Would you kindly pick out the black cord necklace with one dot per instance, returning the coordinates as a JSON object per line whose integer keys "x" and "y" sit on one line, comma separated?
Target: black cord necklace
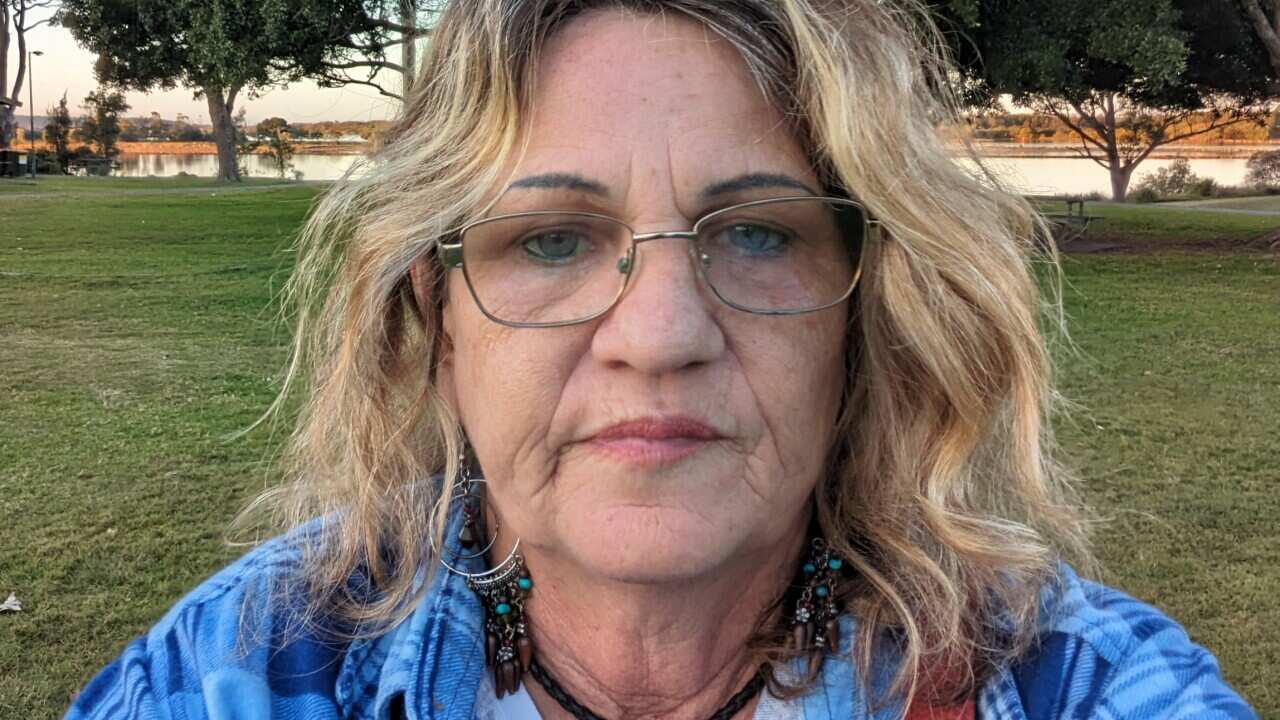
{"x": 581, "y": 712}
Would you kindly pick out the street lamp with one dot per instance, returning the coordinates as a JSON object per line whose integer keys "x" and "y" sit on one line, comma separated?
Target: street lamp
{"x": 31, "y": 95}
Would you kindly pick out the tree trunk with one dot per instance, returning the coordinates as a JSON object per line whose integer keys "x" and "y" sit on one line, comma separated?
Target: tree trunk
{"x": 409, "y": 50}
{"x": 1120, "y": 177}
{"x": 8, "y": 126}
{"x": 224, "y": 131}
{"x": 1267, "y": 29}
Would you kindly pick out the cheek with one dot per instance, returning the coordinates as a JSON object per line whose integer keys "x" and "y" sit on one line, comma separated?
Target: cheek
{"x": 507, "y": 385}
{"x": 796, "y": 369}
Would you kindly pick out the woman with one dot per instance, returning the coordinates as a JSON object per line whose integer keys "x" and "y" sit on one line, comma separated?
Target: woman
{"x": 730, "y": 390}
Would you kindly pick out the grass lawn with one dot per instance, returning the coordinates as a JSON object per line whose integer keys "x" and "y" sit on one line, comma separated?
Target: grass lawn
{"x": 1173, "y": 223}
{"x": 136, "y": 331}
{"x": 1263, "y": 203}
{"x": 114, "y": 185}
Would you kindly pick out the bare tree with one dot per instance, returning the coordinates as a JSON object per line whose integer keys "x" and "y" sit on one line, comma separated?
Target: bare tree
{"x": 15, "y": 22}
{"x": 389, "y": 24}
{"x": 1118, "y": 136}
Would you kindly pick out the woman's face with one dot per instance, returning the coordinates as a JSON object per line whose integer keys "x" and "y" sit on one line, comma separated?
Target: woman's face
{"x": 674, "y": 435}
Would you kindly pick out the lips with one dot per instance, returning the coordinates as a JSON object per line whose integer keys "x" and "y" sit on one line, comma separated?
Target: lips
{"x": 654, "y": 440}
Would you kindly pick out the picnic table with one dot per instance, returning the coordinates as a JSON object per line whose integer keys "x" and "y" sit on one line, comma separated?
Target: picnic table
{"x": 1071, "y": 225}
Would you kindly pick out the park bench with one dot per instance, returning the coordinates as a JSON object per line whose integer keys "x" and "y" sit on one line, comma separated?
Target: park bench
{"x": 1071, "y": 225}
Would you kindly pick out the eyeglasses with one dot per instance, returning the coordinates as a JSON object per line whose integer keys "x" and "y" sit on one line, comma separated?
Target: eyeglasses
{"x": 782, "y": 256}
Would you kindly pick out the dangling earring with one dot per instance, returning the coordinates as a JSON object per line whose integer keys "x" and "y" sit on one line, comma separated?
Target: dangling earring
{"x": 815, "y": 625}
{"x": 502, "y": 589}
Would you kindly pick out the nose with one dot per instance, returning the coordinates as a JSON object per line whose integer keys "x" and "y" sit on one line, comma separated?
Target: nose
{"x": 664, "y": 322}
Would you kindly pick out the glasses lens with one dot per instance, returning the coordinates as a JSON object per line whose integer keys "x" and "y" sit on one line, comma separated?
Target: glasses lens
{"x": 782, "y": 256}
{"x": 546, "y": 268}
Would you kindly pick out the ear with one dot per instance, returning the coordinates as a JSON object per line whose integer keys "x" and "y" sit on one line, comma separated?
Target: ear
{"x": 422, "y": 276}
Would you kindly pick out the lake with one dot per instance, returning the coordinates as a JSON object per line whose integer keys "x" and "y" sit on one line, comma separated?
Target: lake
{"x": 1035, "y": 176}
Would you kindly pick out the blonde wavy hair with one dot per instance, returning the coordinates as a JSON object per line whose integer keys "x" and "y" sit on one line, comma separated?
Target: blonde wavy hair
{"x": 943, "y": 490}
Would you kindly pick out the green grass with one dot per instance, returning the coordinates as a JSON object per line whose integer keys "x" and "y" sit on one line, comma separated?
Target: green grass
{"x": 1166, "y": 222}
{"x": 1148, "y": 222}
{"x": 136, "y": 331}
{"x": 94, "y": 185}
{"x": 1267, "y": 203}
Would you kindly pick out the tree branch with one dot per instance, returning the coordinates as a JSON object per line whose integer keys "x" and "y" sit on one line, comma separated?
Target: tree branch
{"x": 1079, "y": 131}
{"x": 374, "y": 64}
{"x": 345, "y": 80}
{"x": 1265, "y": 31}
{"x": 1083, "y": 136}
{"x": 397, "y": 27}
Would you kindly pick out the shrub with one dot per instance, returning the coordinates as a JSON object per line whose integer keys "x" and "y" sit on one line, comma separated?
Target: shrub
{"x": 1203, "y": 187}
{"x": 1144, "y": 194}
{"x": 1264, "y": 169}
{"x": 1175, "y": 180}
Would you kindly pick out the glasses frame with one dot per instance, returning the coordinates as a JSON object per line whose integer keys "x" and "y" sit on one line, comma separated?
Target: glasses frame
{"x": 451, "y": 255}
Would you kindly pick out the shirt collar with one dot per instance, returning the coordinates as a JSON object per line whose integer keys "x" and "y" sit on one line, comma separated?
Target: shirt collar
{"x": 431, "y": 661}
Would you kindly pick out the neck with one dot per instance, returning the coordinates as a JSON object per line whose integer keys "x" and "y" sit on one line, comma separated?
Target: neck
{"x": 671, "y": 650}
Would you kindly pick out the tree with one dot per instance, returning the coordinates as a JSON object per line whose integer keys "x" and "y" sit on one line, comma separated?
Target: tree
{"x": 155, "y": 126}
{"x": 1264, "y": 20}
{"x": 397, "y": 23}
{"x": 274, "y": 134}
{"x": 222, "y": 49}
{"x": 57, "y": 133}
{"x": 1125, "y": 77}
{"x": 16, "y": 20}
{"x": 101, "y": 125}
{"x": 1264, "y": 169}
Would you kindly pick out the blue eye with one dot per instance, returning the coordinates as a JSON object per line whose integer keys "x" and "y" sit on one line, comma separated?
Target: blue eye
{"x": 555, "y": 246}
{"x": 756, "y": 239}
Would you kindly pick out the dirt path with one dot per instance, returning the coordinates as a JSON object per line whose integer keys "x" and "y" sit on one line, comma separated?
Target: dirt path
{"x": 1263, "y": 244}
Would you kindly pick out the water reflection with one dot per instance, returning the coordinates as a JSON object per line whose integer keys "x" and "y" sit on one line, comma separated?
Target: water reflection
{"x": 312, "y": 167}
{"x": 1039, "y": 176}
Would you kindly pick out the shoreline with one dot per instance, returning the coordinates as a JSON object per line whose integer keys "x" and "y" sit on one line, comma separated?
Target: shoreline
{"x": 985, "y": 150}
{"x": 208, "y": 148}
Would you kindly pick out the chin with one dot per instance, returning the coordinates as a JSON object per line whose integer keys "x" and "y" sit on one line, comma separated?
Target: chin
{"x": 649, "y": 544}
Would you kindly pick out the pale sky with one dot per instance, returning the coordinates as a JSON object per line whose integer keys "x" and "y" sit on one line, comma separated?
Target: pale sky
{"x": 65, "y": 66}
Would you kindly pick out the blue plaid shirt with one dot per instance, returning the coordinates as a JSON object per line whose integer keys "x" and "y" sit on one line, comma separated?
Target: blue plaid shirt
{"x": 1103, "y": 655}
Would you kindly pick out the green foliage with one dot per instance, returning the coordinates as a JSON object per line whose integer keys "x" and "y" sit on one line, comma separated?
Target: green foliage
{"x": 1159, "y": 54}
{"x": 276, "y": 135}
{"x": 1125, "y": 76}
{"x": 220, "y": 47}
{"x": 244, "y": 146}
{"x": 101, "y": 125}
{"x": 207, "y": 44}
{"x": 1145, "y": 194}
{"x": 57, "y": 133}
{"x": 1176, "y": 179}
{"x": 1264, "y": 169}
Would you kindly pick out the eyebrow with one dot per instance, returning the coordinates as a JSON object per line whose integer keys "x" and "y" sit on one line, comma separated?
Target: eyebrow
{"x": 747, "y": 181}
{"x": 561, "y": 181}
{"x": 754, "y": 181}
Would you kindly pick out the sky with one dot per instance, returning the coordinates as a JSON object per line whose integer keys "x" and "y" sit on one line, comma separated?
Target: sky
{"x": 66, "y": 67}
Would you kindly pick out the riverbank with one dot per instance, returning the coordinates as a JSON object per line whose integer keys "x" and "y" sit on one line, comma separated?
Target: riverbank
{"x": 1164, "y": 152}
{"x": 208, "y": 148}
{"x": 984, "y": 149}
{"x": 991, "y": 150}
